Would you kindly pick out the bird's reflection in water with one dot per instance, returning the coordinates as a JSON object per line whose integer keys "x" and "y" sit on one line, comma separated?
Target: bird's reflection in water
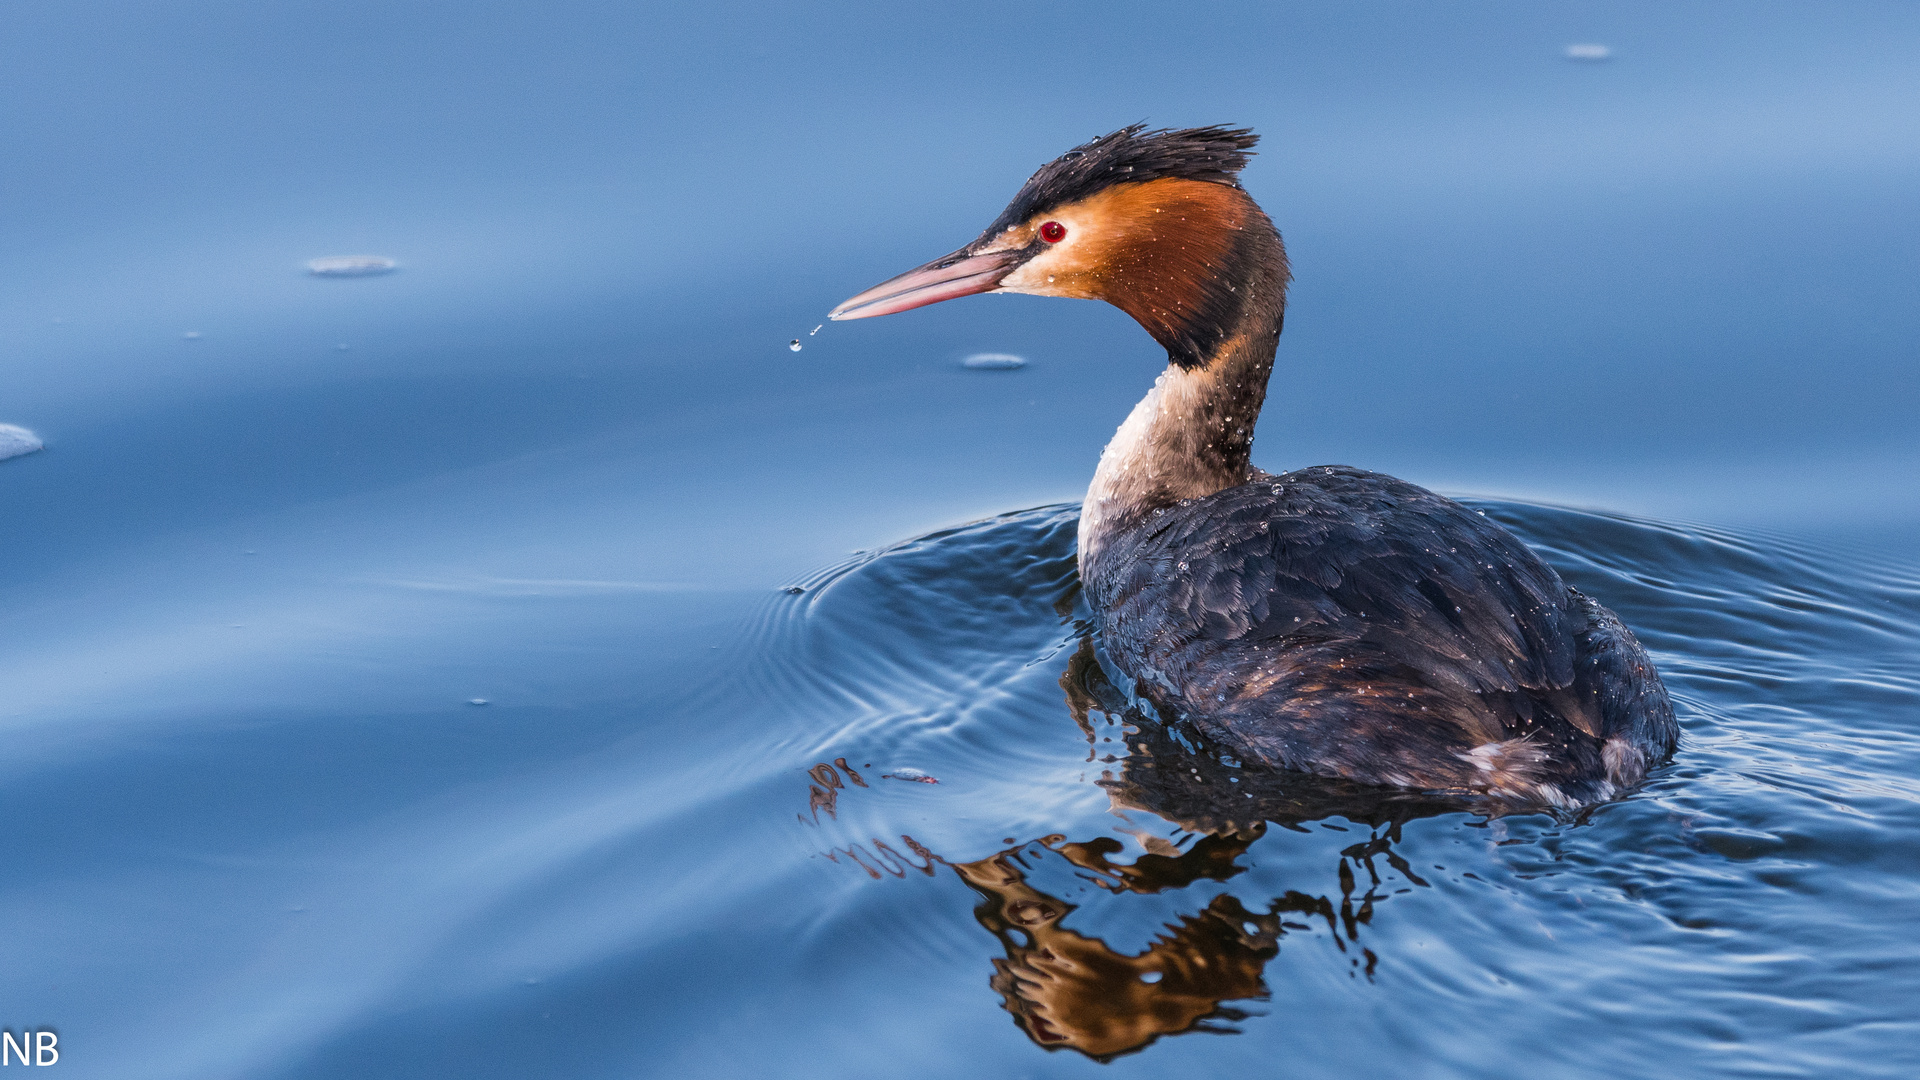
{"x": 1067, "y": 988}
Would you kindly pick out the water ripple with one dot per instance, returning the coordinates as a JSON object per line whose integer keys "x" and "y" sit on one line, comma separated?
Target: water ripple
{"x": 1738, "y": 910}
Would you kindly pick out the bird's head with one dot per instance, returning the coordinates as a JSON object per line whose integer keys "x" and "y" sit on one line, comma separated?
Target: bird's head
{"x": 1153, "y": 222}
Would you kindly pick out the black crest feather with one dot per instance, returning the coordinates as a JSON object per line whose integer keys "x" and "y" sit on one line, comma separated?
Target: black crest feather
{"x": 1133, "y": 155}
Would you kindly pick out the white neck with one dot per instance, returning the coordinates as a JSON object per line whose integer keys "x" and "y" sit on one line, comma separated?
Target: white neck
{"x": 1158, "y": 456}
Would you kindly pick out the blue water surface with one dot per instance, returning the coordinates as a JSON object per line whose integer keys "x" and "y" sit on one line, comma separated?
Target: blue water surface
{"x": 400, "y": 676}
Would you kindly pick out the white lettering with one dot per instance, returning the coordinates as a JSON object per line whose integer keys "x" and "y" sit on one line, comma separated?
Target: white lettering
{"x": 7, "y": 1045}
{"x": 48, "y": 1054}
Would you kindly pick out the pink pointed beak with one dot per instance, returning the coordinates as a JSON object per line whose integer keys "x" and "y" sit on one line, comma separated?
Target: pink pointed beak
{"x": 958, "y": 274}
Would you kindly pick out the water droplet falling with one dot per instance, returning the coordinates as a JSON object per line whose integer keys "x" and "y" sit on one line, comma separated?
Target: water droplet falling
{"x": 794, "y": 344}
{"x": 815, "y": 330}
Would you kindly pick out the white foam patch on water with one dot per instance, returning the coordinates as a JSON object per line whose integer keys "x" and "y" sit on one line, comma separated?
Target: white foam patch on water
{"x": 993, "y": 361}
{"x": 15, "y": 441}
{"x": 350, "y": 265}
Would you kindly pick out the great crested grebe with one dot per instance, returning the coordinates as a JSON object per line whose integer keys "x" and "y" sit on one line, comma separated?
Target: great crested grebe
{"x": 1328, "y": 620}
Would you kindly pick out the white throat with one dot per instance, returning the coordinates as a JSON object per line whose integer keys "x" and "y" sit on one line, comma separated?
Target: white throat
{"x": 1151, "y": 460}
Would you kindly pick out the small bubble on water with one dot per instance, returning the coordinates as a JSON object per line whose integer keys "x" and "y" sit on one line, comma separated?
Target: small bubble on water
{"x": 15, "y": 441}
{"x": 914, "y": 775}
{"x": 993, "y": 361}
{"x": 350, "y": 265}
{"x": 1589, "y": 53}
{"x": 191, "y": 335}
{"x": 794, "y": 344}
{"x": 477, "y": 701}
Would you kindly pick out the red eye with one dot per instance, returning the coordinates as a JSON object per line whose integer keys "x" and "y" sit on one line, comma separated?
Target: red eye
{"x": 1053, "y": 232}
